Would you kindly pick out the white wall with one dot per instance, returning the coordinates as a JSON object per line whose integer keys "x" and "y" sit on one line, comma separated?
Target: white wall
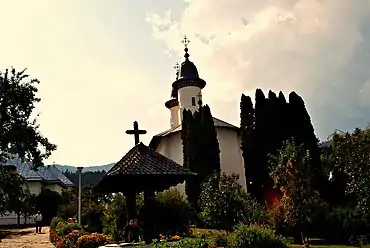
{"x": 54, "y": 187}
{"x": 230, "y": 156}
{"x": 174, "y": 116}
{"x": 35, "y": 187}
{"x": 185, "y": 98}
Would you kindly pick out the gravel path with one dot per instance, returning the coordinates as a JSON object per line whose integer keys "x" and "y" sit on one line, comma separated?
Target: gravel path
{"x": 25, "y": 238}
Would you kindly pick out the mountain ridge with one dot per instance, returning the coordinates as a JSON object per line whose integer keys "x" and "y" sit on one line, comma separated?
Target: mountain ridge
{"x": 73, "y": 169}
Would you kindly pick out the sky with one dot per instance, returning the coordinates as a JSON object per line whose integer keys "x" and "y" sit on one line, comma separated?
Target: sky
{"x": 104, "y": 64}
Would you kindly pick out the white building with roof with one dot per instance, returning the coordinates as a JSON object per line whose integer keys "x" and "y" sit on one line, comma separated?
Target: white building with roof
{"x": 187, "y": 94}
{"x": 45, "y": 177}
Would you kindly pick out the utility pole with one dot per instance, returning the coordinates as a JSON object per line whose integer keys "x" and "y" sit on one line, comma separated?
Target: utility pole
{"x": 79, "y": 170}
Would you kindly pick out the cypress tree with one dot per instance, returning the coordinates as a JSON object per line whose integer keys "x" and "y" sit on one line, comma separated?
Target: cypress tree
{"x": 201, "y": 149}
{"x": 303, "y": 133}
{"x": 262, "y": 175}
{"x": 247, "y": 135}
{"x": 211, "y": 149}
{"x": 283, "y": 120}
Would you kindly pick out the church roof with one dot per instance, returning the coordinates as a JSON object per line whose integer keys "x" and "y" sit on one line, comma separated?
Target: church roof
{"x": 217, "y": 122}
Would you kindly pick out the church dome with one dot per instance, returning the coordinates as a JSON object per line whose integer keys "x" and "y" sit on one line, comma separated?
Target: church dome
{"x": 188, "y": 70}
{"x": 188, "y": 75}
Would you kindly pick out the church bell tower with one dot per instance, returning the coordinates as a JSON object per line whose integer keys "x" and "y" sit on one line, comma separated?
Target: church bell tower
{"x": 186, "y": 90}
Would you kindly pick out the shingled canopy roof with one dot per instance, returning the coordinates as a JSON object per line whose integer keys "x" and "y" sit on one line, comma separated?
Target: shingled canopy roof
{"x": 142, "y": 168}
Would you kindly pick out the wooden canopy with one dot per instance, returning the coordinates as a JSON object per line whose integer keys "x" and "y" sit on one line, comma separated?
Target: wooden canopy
{"x": 140, "y": 169}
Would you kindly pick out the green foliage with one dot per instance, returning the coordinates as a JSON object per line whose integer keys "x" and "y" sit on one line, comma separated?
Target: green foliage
{"x": 114, "y": 218}
{"x": 224, "y": 203}
{"x": 352, "y": 153}
{"x": 292, "y": 173}
{"x": 54, "y": 222}
{"x": 19, "y": 134}
{"x": 256, "y": 237}
{"x": 347, "y": 224}
{"x": 13, "y": 197}
{"x": 200, "y": 148}
{"x": 171, "y": 213}
{"x": 265, "y": 127}
{"x": 64, "y": 228}
{"x": 48, "y": 202}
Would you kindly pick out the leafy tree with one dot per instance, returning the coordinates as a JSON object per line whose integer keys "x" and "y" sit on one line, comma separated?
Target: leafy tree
{"x": 224, "y": 203}
{"x": 352, "y": 158}
{"x": 19, "y": 133}
{"x": 48, "y": 202}
{"x": 292, "y": 173}
{"x": 11, "y": 190}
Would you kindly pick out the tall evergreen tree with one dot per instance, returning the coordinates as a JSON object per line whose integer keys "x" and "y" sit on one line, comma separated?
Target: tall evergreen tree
{"x": 247, "y": 135}
{"x": 200, "y": 148}
{"x": 303, "y": 133}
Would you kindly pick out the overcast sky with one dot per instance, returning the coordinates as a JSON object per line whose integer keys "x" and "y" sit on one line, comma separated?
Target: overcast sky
{"x": 103, "y": 64}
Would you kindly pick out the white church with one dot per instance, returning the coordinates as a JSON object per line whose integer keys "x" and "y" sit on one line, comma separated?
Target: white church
{"x": 186, "y": 93}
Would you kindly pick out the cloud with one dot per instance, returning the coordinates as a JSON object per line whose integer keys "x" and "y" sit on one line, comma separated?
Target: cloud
{"x": 321, "y": 49}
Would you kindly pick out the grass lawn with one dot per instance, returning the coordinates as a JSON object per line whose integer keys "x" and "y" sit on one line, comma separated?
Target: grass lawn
{"x": 207, "y": 231}
{"x": 331, "y": 246}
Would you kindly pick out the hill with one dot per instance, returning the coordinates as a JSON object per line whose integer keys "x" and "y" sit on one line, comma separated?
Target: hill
{"x": 72, "y": 169}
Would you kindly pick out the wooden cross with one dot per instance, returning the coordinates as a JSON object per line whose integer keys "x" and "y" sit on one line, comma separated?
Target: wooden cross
{"x": 136, "y": 132}
{"x": 185, "y": 41}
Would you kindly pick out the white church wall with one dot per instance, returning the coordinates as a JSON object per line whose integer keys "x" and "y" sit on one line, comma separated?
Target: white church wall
{"x": 175, "y": 116}
{"x": 230, "y": 156}
{"x": 188, "y": 98}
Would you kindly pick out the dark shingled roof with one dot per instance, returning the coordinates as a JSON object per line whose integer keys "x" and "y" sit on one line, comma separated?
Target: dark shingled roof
{"x": 142, "y": 160}
{"x": 143, "y": 167}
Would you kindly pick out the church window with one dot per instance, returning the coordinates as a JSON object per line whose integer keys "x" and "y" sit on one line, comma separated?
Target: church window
{"x": 193, "y": 101}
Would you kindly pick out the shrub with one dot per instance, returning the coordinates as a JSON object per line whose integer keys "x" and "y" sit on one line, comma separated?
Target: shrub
{"x": 55, "y": 221}
{"x": 71, "y": 239}
{"x": 224, "y": 203}
{"x": 64, "y": 228}
{"x": 92, "y": 241}
{"x": 171, "y": 213}
{"x": 256, "y": 237}
{"x": 114, "y": 218}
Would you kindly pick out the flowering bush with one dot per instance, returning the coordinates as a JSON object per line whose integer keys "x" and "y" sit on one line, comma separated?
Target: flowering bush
{"x": 71, "y": 235}
{"x": 93, "y": 240}
{"x": 64, "y": 228}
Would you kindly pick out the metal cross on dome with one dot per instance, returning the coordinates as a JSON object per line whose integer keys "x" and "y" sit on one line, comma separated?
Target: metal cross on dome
{"x": 177, "y": 67}
{"x": 185, "y": 41}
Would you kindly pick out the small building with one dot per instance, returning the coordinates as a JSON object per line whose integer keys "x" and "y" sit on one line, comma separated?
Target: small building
{"x": 45, "y": 177}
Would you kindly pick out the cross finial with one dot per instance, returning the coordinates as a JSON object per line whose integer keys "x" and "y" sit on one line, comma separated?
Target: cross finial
{"x": 136, "y": 132}
{"x": 185, "y": 41}
{"x": 177, "y": 67}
